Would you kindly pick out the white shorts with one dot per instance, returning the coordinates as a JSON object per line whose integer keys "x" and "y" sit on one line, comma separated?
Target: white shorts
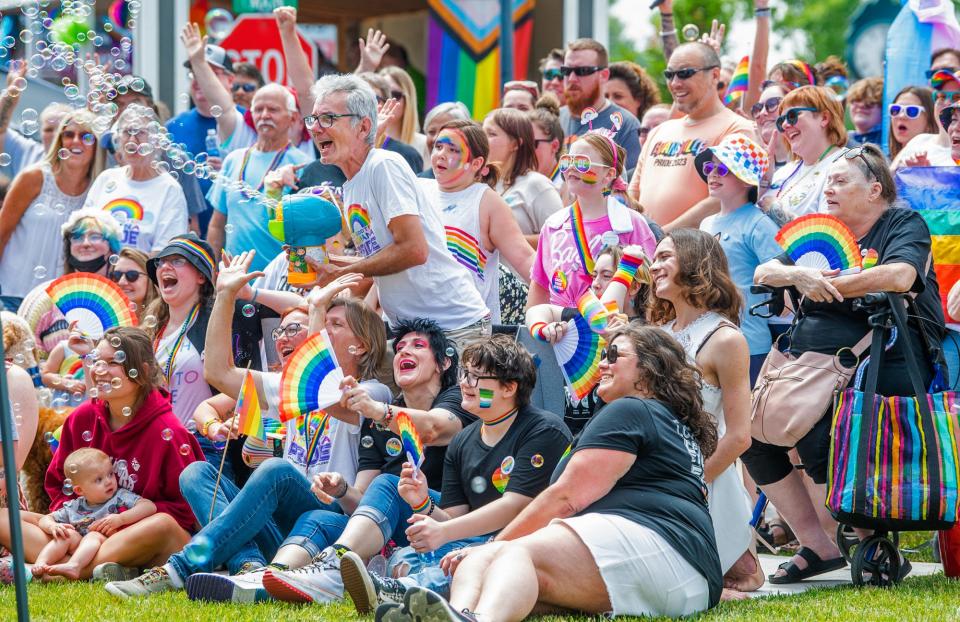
{"x": 644, "y": 575}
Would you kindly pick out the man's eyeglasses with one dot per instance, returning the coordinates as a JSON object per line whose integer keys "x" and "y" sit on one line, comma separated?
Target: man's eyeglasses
{"x": 90, "y": 237}
{"x": 470, "y": 379}
{"x": 549, "y": 75}
{"x": 246, "y": 87}
{"x": 858, "y": 152}
{"x": 911, "y": 112}
{"x": 313, "y": 121}
{"x": 611, "y": 354}
{"x": 771, "y": 105}
{"x": 581, "y": 163}
{"x": 583, "y": 72}
{"x": 791, "y": 117}
{"x": 711, "y": 166}
{"x": 289, "y": 331}
{"x": 130, "y": 275}
{"x": 685, "y": 74}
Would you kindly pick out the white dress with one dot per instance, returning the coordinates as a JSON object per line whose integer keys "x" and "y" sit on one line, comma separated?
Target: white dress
{"x": 730, "y": 506}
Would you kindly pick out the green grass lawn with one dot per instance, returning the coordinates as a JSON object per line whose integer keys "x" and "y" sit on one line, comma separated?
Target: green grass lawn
{"x": 920, "y": 598}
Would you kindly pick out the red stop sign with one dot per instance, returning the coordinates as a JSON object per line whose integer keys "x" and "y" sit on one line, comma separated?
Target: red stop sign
{"x": 255, "y": 39}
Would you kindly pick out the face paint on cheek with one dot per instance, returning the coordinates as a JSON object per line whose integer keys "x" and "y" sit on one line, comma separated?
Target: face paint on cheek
{"x": 590, "y": 178}
{"x": 486, "y": 398}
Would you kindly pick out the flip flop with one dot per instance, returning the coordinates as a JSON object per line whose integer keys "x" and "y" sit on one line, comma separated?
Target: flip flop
{"x": 815, "y": 566}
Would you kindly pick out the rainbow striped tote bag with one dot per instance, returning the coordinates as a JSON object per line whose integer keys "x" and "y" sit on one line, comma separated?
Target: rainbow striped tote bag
{"x": 894, "y": 460}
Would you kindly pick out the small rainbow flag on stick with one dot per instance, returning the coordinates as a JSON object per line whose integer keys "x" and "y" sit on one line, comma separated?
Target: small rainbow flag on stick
{"x": 738, "y": 82}
{"x": 248, "y": 409}
{"x": 410, "y": 440}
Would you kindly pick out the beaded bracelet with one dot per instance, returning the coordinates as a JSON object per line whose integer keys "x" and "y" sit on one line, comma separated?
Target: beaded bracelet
{"x": 536, "y": 330}
{"x": 384, "y": 424}
{"x": 627, "y": 270}
{"x": 419, "y": 509}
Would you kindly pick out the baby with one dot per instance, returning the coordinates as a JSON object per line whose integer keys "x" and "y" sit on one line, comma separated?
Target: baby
{"x": 100, "y": 510}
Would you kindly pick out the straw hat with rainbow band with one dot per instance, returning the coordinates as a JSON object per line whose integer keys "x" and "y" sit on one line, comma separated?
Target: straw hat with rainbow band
{"x": 194, "y": 250}
{"x": 742, "y": 156}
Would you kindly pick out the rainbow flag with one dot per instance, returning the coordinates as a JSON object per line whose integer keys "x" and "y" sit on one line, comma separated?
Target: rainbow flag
{"x": 738, "y": 82}
{"x": 935, "y": 193}
{"x": 248, "y": 409}
{"x": 463, "y": 51}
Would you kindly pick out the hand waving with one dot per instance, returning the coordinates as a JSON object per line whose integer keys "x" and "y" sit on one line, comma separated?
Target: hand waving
{"x": 372, "y": 50}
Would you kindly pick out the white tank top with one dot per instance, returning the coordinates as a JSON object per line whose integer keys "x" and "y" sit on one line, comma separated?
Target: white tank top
{"x": 460, "y": 214}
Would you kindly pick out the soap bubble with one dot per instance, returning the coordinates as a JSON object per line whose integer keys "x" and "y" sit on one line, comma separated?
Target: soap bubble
{"x": 5, "y": 158}
{"x": 115, "y": 341}
{"x": 39, "y": 272}
{"x": 74, "y": 469}
{"x": 352, "y": 349}
{"x": 133, "y": 373}
{"x": 63, "y": 153}
{"x": 116, "y": 382}
{"x": 478, "y": 485}
{"x": 166, "y": 434}
{"x": 113, "y": 259}
{"x": 67, "y": 487}
{"x": 93, "y": 392}
{"x": 216, "y": 111}
{"x": 198, "y": 551}
{"x": 690, "y": 32}
{"x": 367, "y": 441}
{"x": 119, "y": 356}
{"x": 536, "y": 461}
{"x": 449, "y": 351}
{"x": 150, "y": 321}
{"x": 248, "y": 310}
{"x": 77, "y": 396}
{"x": 185, "y": 450}
{"x": 218, "y": 22}
{"x": 87, "y": 436}
{"x": 29, "y": 115}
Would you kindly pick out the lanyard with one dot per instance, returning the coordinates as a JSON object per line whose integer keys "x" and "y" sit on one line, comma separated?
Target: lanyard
{"x": 273, "y": 165}
{"x": 175, "y": 349}
{"x": 311, "y": 444}
{"x": 579, "y": 230}
{"x": 783, "y": 186}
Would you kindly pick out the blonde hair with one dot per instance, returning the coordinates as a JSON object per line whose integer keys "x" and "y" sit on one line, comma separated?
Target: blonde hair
{"x": 84, "y": 118}
{"x": 81, "y": 460}
{"x": 410, "y": 124}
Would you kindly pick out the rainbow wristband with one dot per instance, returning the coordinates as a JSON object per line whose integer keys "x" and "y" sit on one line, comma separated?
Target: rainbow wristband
{"x": 627, "y": 270}
{"x": 536, "y": 330}
{"x": 423, "y": 506}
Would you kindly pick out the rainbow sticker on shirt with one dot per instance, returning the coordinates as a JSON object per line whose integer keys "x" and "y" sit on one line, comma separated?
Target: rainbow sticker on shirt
{"x": 361, "y": 230}
{"x": 124, "y": 209}
{"x": 466, "y": 249}
{"x": 500, "y": 480}
{"x": 72, "y": 367}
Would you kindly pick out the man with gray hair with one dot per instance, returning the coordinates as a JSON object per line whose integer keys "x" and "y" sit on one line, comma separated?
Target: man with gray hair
{"x": 245, "y": 170}
{"x": 396, "y": 230}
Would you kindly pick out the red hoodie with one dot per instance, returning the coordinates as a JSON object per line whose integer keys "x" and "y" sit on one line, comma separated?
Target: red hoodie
{"x": 144, "y": 461}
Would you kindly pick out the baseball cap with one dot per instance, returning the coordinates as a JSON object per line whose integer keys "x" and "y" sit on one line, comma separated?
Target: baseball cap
{"x": 745, "y": 158}
{"x": 193, "y": 249}
{"x": 216, "y": 56}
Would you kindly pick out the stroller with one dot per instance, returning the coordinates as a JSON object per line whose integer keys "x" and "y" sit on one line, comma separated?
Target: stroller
{"x": 876, "y": 560}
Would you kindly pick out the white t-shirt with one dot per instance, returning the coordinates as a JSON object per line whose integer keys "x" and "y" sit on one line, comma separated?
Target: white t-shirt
{"x": 937, "y": 154}
{"x": 336, "y": 450}
{"x": 533, "y": 198}
{"x": 440, "y": 289}
{"x": 187, "y": 386}
{"x": 245, "y": 136}
{"x": 799, "y": 187}
{"x": 150, "y": 212}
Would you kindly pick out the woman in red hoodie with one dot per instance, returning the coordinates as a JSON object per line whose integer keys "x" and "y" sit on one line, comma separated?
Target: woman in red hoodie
{"x": 130, "y": 419}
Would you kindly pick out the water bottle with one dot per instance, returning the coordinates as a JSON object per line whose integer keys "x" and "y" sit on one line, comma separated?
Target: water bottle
{"x": 212, "y": 144}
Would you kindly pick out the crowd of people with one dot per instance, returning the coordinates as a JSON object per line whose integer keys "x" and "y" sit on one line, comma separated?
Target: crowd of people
{"x": 636, "y": 499}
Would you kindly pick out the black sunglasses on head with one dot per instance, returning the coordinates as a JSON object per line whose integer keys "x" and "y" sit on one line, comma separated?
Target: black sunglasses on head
{"x": 687, "y": 73}
{"x": 131, "y": 275}
{"x": 583, "y": 72}
{"x": 246, "y": 87}
{"x": 858, "y": 152}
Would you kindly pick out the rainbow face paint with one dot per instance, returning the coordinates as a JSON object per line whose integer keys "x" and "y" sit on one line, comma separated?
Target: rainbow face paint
{"x": 590, "y": 178}
{"x": 486, "y": 397}
{"x": 457, "y": 143}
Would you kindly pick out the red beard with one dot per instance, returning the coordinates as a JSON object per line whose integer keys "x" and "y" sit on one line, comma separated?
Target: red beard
{"x": 580, "y": 99}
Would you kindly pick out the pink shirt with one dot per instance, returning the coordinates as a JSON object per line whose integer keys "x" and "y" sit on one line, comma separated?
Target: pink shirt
{"x": 558, "y": 269}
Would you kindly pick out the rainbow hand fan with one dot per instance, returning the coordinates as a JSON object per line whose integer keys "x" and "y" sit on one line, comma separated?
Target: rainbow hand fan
{"x": 578, "y": 353}
{"x": 593, "y": 310}
{"x": 311, "y": 378}
{"x": 94, "y": 302}
{"x": 410, "y": 440}
{"x": 820, "y": 241}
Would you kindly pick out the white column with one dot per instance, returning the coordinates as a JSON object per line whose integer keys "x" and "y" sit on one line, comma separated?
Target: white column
{"x": 181, "y": 17}
{"x": 601, "y": 27}
{"x": 571, "y": 9}
{"x": 146, "y": 43}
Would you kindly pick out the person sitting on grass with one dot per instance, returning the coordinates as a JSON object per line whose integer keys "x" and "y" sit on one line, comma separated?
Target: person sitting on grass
{"x": 82, "y": 525}
{"x": 492, "y": 470}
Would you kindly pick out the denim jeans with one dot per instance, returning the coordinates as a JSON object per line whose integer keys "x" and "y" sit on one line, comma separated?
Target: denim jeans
{"x": 382, "y": 504}
{"x": 249, "y": 523}
{"x": 425, "y": 568}
{"x": 10, "y": 303}
{"x": 214, "y": 455}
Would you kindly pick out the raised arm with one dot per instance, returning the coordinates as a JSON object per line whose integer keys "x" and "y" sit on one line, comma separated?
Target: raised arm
{"x": 758, "y": 58}
{"x": 10, "y": 98}
{"x": 298, "y": 67}
{"x": 372, "y": 50}
{"x": 211, "y": 86}
{"x": 668, "y": 29}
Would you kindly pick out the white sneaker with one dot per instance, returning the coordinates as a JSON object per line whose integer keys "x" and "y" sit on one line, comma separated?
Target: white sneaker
{"x": 112, "y": 571}
{"x": 240, "y": 588}
{"x": 317, "y": 582}
{"x": 154, "y": 581}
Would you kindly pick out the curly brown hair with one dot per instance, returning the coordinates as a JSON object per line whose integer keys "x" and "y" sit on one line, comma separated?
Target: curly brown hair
{"x": 704, "y": 276}
{"x": 666, "y": 375}
{"x": 641, "y": 86}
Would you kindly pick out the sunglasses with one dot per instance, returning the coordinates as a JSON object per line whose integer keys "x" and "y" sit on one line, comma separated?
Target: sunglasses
{"x": 770, "y": 105}
{"x": 711, "y": 166}
{"x": 911, "y": 112}
{"x": 929, "y": 72}
{"x": 581, "y": 163}
{"x": 130, "y": 275}
{"x": 791, "y": 116}
{"x": 583, "y": 72}
{"x": 951, "y": 96}
{"x": 685, "y": 74}
{"x": 611, "y": 354}
{"x": 289, "y": 331}
{"x": 858, "y": 152}
{"x": 246, "y": 87}
{"x": 550, "y": 75}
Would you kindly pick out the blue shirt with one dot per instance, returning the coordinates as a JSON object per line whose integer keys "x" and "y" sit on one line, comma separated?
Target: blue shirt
{"x": 247, "y": 218}
{"x": 747, "y": 238}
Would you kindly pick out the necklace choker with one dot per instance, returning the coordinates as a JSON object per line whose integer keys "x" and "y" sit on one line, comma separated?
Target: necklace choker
{"x": 501, "y": 419}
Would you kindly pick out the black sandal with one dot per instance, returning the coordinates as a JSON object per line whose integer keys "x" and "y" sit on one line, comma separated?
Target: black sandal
{"x": 815, "y": 566}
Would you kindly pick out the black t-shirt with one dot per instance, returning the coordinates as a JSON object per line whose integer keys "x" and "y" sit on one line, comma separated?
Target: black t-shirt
{"x": 381, "y": 450}
{"x": 664, "y": 488}
{"x": 899, "y": 236}
{"x": 476, "y": 474}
